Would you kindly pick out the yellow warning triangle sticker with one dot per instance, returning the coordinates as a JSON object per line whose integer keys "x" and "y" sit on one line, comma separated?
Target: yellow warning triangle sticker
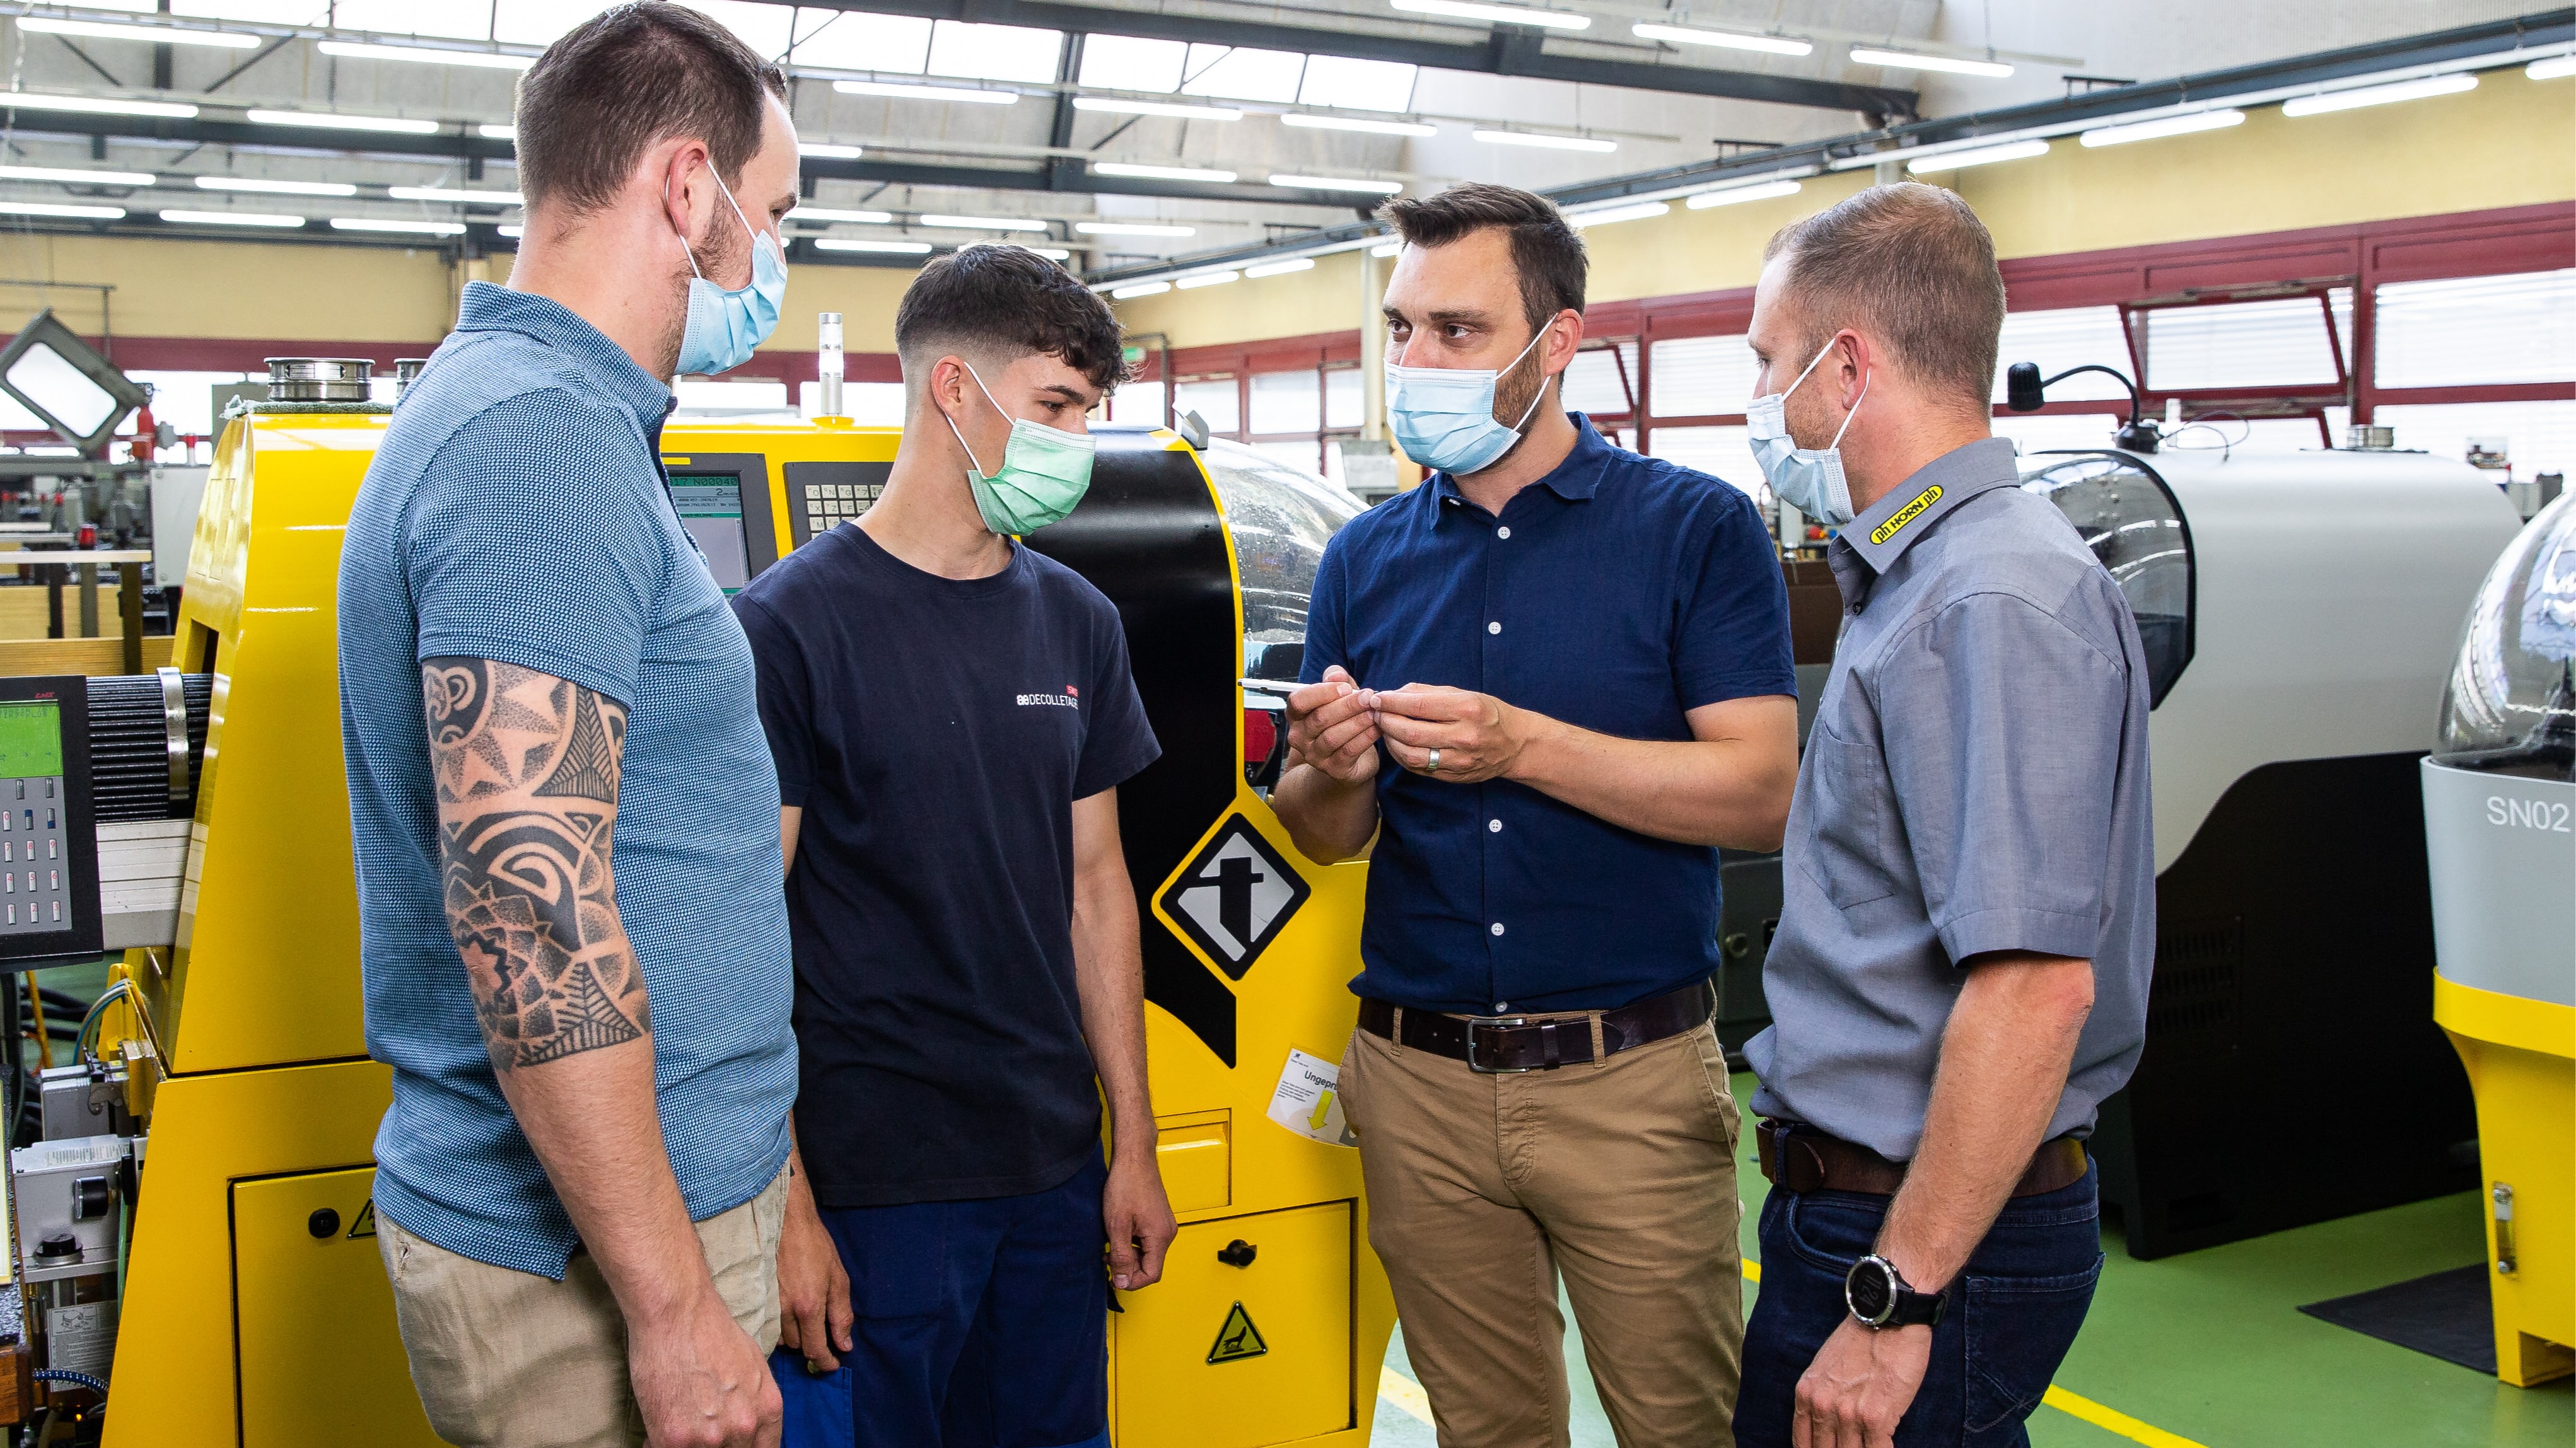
{"x": 365, "y": 1226}
{"x": 1238, "y": 1339}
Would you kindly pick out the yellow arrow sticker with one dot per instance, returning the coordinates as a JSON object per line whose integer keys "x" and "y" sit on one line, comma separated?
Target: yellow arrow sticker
{"x": 1238, "y": 1339}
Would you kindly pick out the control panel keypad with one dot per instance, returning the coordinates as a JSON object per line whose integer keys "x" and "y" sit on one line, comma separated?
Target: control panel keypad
{"x": 830, "y": 504}
{"x": 33, "y": 894}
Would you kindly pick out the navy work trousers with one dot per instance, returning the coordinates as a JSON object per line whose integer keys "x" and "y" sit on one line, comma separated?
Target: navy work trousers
{"x": 981, "y": 1324}
{"x": 2011, "y": 1317}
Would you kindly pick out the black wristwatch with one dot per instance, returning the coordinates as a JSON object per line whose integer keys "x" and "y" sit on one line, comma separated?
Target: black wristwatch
{"x": 1878, "y": 1296}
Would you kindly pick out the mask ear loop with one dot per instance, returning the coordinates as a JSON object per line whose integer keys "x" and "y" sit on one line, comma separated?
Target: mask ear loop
{"x": 1848, "y": 416}
{"x": 972, "y": 460}
{"x": 1532, "y": 410}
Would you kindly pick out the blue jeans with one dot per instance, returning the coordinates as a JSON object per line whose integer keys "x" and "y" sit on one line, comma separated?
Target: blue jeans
{"x": 981, "y": 1324}
{"x": 2011, "y": 1316}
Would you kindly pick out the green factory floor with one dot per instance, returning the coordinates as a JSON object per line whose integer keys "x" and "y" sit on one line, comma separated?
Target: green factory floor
{"x": 2209, "y": 1350}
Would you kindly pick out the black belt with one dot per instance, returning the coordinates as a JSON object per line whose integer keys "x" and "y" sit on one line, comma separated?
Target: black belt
{"x": 1803, "y": 1159}
{"x": 1500, "y": 1045}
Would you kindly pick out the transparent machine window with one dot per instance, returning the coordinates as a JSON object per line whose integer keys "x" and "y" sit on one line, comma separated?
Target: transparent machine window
{"x": 1280, "y": 518}
{"x": 2133, "y": 525}
{"x": 2510, "y": 706}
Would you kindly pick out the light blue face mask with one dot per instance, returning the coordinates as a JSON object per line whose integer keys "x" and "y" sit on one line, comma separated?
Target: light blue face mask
{"x": 1444, "y": 416}
{"x": 1807, "y": 479}
{"x": 724, "y": 327}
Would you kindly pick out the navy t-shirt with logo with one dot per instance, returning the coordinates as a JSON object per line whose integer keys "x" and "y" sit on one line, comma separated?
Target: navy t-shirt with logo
{"x": 936, "y": 733}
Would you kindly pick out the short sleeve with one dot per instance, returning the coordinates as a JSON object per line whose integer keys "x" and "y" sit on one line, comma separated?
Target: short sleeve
{"x": 1324, "y": 646}
{"x": 1731, "y": 639}
{"x": 530, "y": 543}
{"x": 1117, "y": 741}
{"x": 786, "y": 697}
{"x": 2002, "y": 728}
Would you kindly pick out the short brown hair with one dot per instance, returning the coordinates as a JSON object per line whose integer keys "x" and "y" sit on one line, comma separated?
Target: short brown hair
{"x": 1547, "y": 253}
{"x": 994, "y": 299}
{"x": 626, "y": 79}
{"x": 1913, "y": 264}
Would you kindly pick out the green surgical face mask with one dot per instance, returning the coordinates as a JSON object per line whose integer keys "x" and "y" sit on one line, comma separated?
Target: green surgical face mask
{"x": 1044, "y": 473}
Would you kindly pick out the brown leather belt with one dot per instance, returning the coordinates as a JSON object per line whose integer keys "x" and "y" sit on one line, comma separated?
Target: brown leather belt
{"x": 1804, "y": 1159}
{"x": 1507, "y": 1045}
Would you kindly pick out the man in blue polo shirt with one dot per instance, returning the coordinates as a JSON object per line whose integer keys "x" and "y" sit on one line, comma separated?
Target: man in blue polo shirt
{"x": 1551, "y": 681}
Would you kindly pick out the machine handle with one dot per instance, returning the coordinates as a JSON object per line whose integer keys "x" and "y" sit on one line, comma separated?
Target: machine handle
{"x": 1237, "y": 1253}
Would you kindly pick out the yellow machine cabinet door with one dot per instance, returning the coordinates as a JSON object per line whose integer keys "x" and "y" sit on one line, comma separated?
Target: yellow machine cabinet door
{"x": 320, "y": 1359}
{"x": 1220, "y": 1355}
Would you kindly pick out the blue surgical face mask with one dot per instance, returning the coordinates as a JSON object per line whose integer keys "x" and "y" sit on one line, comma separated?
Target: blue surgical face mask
{"x": 725, "y": 326}
{"x": 1807, "y": 479}
{"x": 1444, "y": 416}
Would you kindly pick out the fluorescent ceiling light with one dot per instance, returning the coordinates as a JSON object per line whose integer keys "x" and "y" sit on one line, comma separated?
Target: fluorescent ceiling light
{"x": 157, "y": 34}
{"x": 408, "y": 228}
{"x": 1207, "y": 279}
{"x": 829, "y": 151}
{"x": 1118, "y": 106}
{"x": 75, "y": 213}
{"x": 1353, "y": 123}
{"x": 1634, "y": 211}
{"x": 1769, "y": 190}
{"x": 1142, "y": 289}
{"x": 1160, "y": 173}
{"x": 984, "y": 223}
{"x": 72, "y": 177}
{"x": 1131, "y": 228}
{"x": 1731, "y": 39}
{"x": 1911, "y": 60}
{"x": 426, "y": 54}
{"x": 1546, "y": 142}
{"x": 2169, "y": 126}
{"x": 1502, "y": 14}
{"x": 1386, "y": 248}
{"x": 280, "y": 188}
{"x": 229, "y": 218}
{"x": 1337, "y": 183}
{"x": 512, "y": 232}
{"x": 497, "y": 133}
{"x": 335, "y": 121}
{"x": 1281, "y": 268}
{"x": 888, "y": 248}
{"x": 95, "y": 106}
{"x": 835, "y": 213}
{"x": 1983, "y": 156}
{"x": 2554, "y": 68}
{"x": 2378, "y": 95}
{"x": 1051, "y": 253}
{"x": 455, "y": 198}
{"x": 971, "y": 95}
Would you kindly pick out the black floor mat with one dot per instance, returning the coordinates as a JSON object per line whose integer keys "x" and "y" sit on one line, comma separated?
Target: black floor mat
{"x": 2446, "y": 1315}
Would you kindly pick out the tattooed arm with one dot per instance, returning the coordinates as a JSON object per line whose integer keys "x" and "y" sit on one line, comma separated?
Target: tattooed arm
{"x": 527, "y": 770}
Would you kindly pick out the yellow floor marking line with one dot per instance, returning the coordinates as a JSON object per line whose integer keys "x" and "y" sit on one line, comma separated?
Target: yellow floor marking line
{"x": 1404, "y": 1392}
{"x": 2074, "y": 1405}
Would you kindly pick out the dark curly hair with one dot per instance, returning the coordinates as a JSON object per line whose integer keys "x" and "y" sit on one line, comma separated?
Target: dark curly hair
{"x": 995, "y": 299}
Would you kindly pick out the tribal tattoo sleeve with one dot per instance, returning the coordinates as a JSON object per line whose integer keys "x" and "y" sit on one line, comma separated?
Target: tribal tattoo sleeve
{"x": 527, "y": 768}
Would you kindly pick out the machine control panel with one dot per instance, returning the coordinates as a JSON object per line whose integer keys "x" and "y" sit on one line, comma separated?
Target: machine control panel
{"x": 823, "y": 495}
{"x": 48, "y": 842}
{"x": 722, "y": 500}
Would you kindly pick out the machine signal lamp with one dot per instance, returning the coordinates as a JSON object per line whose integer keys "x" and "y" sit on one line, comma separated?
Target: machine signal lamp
{"x": 2025, "y": 391}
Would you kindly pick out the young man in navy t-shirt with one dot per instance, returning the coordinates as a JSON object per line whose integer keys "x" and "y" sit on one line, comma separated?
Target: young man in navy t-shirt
{"x": 951, "y": 715}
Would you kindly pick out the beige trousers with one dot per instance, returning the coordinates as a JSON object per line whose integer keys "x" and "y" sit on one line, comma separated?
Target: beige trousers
{"x": 508, "y": 1359}
{"x": 1619, "y": 1175}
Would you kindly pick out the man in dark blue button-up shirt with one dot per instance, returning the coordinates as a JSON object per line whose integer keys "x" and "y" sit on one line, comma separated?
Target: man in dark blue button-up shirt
{"x": 1551, "y": 682}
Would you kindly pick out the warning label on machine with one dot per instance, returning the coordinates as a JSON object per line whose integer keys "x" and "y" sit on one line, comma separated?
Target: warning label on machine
{"x": 1234, "y": 896}
{"x": 1308, "y": 1100}
{"x": 81, "y": 1338}
{"x": 1238, "y": 1339}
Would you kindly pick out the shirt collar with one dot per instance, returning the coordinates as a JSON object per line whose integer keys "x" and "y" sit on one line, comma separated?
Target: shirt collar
{"x": 1575, "y": 480}
{"x": 1886, "y": 528}
{"x": 485, "y": 307}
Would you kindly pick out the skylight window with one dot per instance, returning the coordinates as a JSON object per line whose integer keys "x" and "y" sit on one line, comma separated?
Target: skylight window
{"x": 450, "y": 19}
{"x": 275, "y": 12}
{"x": 1129, "y": 63}
{"x": 994, "y": 52}
{"x": 765, "y": 28}
{"x": 1357, "y": 85}
{"x": 521, "y": 22}
{"x": 856, "y": 40}
{"x": 1237, "y": 73}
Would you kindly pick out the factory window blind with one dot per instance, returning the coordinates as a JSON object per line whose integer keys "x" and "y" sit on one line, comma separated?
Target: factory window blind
{"x": 2062, "y": 338}
{"x": 1217, "y": 400}
{"x": 2461, "y": 331}
{"x": 1287, "y": 402}
{"x": 1701, "y": 377}
{"x": 2250, "y": 344}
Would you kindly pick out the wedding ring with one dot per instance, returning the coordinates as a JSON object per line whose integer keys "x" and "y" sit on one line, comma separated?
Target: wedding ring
{"x": 1434, "y": 765}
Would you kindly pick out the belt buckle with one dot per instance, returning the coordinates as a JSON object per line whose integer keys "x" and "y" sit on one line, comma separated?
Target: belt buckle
{"x": 1476, "y": 1065}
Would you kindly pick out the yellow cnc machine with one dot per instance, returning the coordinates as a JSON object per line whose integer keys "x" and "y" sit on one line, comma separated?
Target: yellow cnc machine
{"x": 255, "y": 1312}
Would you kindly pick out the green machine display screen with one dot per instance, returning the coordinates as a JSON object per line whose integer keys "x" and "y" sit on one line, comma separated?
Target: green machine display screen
{"x": 31, "y": 740}
{"x": 710, "y": 507}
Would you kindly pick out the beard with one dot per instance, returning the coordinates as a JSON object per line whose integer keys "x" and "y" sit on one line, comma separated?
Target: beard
{"x": 1517, "y": 391}
{"x": 711, "y": 257}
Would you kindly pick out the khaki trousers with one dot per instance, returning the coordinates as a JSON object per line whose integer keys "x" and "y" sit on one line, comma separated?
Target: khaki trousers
{"x": 508, "y": 1359}
{"x": 1619, "y": 1175}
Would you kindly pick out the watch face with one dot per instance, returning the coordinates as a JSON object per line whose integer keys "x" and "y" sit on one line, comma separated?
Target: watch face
{"x": 1870, "y": 1289}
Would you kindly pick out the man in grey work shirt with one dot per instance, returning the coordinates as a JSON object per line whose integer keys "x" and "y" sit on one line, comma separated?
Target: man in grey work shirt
{"x": 1960, "y": 974}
